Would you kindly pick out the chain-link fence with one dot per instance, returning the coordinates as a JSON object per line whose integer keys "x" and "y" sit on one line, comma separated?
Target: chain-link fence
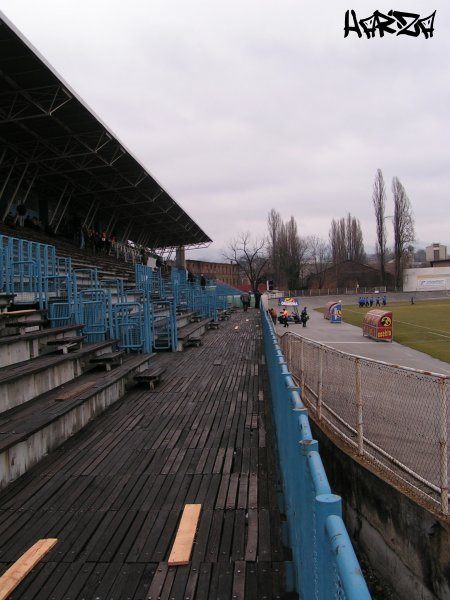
{"x": 394, "y": 417}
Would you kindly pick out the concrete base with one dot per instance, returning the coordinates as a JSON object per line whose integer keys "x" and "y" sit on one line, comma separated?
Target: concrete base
{"x": 405, "y": 544}
{"x": 23, "y": 348}
{"x": 19, "y": 458}
{"x": 14, "y": 392}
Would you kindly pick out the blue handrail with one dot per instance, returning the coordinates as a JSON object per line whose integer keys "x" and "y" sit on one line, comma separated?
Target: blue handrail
{"x": 325, "y": 562}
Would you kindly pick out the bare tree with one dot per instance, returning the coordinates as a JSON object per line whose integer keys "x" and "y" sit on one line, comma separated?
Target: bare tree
{"x": 319, "y": 257}
{"x": 346, "y": 240}
{"x": 294, "y": 254}
{"x": 288, "y": 251}
{"x": 275, "y": 226}
{"x": 403, "y": 229}
{"x": 379, "y": 202}
{"x": 251, "y": 256}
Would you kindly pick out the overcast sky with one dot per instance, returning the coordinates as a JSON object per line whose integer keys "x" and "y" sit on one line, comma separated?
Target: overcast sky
{"x": 237, "y": 107}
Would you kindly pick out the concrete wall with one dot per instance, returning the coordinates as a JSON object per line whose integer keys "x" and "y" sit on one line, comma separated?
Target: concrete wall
{"x": 404, "y": 543}
{"x": 429, "y": 278}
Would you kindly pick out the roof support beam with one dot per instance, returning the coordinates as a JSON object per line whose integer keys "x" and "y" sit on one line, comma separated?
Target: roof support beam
{"x": 13, "y": 196}
{"x": 63, "y": 211}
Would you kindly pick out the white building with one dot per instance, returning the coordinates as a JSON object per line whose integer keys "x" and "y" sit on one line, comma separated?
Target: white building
{"x": 429, "y": 278}
{"x": 436, "y": 252}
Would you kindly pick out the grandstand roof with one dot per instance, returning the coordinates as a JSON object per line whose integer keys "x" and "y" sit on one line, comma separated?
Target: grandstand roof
{"x": 54, "y": 140}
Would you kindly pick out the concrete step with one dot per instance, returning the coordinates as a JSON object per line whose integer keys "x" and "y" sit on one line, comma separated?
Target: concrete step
{"x": 32, "y": 430}
{"x": 24, "y": 381}
{"x": 18, "y": 348}
{"x": 21, "y": 321}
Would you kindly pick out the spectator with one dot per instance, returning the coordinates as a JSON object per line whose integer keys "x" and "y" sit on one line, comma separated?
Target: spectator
{"x": 21, "y": 214}
{"x": 245, "y": 299}
{"x": 284, "y": 317}
{"x": 203, "y": 282}
{"x": 304, "y": 317}
{"x": 10, "y": 220}
{"x": 273, "y": 315}
{"x": 36, "y": 224}
{"x": 257, "y": 295}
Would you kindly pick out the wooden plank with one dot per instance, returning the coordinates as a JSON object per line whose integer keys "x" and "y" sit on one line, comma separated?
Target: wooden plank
{"x": 75, "y": 391}
{"x": 20, "y": 569}
{"x": 182, "y": 546}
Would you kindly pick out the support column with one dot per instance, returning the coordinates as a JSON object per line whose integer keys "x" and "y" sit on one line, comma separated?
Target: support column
{"x": 180, "y": 258}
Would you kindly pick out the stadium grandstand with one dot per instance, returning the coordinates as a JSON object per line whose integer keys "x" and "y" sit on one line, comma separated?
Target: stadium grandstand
{"x": 59, "y": 158}
{"x": 137, "y": 443}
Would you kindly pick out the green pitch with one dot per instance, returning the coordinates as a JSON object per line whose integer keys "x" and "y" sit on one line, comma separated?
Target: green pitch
{"x": 424, "y": 326}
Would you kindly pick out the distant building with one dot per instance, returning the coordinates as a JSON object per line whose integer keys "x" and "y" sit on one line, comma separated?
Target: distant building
{"x": 226, "y": 272}
{"x": 436, "y": 253}
{"x": 427, "y": 279}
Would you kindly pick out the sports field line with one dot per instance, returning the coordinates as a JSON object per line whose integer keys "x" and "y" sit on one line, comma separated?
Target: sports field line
{"x": 441, "y": 334}
{"x": 430, "y": 330}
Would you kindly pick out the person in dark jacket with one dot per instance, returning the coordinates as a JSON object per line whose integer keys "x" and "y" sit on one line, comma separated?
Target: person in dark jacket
{"x": 257, "y": 295}
{"x": 304, "y": 317}
{"x": 245, "y": 299}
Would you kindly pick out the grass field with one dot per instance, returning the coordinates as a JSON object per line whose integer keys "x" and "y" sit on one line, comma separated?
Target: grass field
{"x": 424, "y": 326}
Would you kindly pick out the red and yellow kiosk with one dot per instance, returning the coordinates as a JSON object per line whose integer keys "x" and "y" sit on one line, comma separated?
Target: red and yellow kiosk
{"x": 378, "y": 324}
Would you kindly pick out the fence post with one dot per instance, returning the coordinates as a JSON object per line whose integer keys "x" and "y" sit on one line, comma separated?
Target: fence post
{"x": 302, "y": 368}
{"x": 289, "y": 351}
{"x": 443, "y": 445}
{"x": 320, "y": 385}
{"x": 359, "y": 406}
{"x": 326, "y": 505}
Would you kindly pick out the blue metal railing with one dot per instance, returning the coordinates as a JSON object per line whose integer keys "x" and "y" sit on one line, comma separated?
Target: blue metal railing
{"x": 325, "y": 562}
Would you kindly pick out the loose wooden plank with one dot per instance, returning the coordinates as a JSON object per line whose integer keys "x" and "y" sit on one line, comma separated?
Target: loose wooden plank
{"x": 182, "y": 546}
{"x": 20, "y": 569}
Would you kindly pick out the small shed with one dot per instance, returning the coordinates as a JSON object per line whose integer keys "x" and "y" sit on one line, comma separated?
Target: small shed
{"x": 378, "y": 324}
{"x": 333, "y": 312}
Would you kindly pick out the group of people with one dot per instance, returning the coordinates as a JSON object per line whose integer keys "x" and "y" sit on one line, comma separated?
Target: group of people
{"x": 94, "y": 241}
{"x": 365, "y": 301}
{"x": 23, "y": 219}
{"x": 246, "y": 299}
{"x": 284, "y": 317}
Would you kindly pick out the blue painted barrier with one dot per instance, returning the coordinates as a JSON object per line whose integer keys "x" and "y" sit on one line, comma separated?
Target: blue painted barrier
{"x": 325, "y": 562}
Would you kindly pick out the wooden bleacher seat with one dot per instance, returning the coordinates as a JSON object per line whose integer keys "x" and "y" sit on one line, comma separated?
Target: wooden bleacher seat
{"x": 66, "y": 344}
{"x": 151, "y": 376}
{"x": 189, "y": 335}
{"x": 108, "y": 360}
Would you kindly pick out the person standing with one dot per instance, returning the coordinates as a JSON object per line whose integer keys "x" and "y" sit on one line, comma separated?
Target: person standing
{"x": 273, "y": 315}
{"x": 245, "y": 299}
{"x": 284, "y": 317}
{"x": 257, "y": 295}
{"x": 304, "y": 316}
{"x": 21, "y": 213}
